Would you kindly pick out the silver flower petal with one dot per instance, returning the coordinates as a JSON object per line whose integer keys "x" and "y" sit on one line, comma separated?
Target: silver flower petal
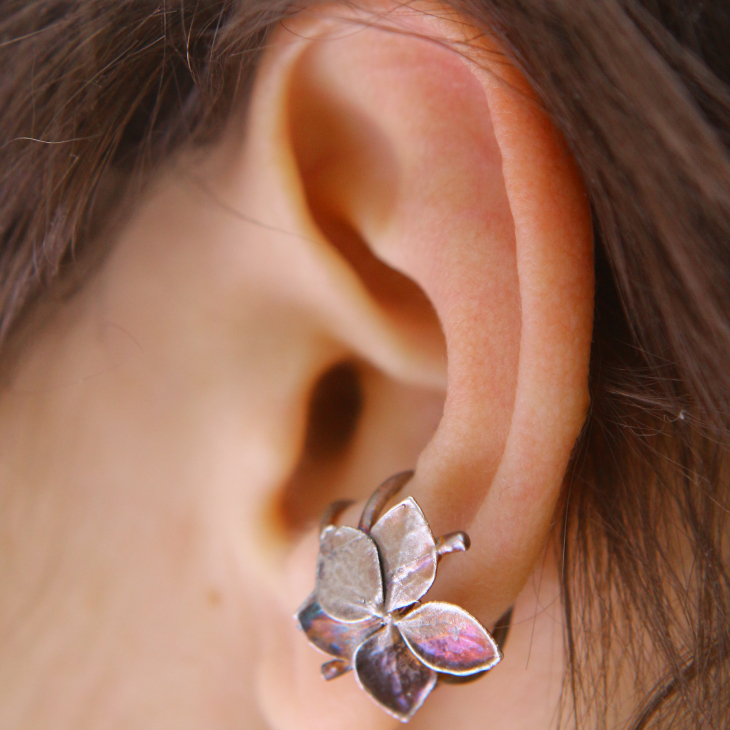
{"x": 349, "y": 584}
{"x": 335, "y": 638}
{"x": 387, "y": 670}
{"x": 448, "y": 639}
{"x": 408, "y": 553}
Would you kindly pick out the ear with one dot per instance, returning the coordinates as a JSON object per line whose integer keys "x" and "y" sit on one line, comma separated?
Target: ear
{"x": 437, "y": 232}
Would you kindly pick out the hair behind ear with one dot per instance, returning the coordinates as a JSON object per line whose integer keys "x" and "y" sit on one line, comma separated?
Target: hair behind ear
{"x": 649, "y": 133}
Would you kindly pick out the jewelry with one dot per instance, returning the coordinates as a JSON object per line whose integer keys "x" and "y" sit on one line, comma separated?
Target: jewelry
{"x": 365, "y": 609}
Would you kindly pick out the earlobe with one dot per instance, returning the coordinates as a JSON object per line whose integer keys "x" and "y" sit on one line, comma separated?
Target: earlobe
{"x": 442, "y": 205}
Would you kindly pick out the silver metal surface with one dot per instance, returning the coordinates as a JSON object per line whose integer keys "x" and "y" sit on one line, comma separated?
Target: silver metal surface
{"x": 335, "y": 638}
{"x": 365, "y": 609}
{"x": 448, "y": 639}
{"x": 381, "y": 496}
{"x": 454, "y": 542}
{"x": 349, "y": 585}
{"x": 500, "y": 632}
{"x": 333, "y": 512}
{"x": 335, "y": 668}
{"x": 391, "y": 675}
{"x": 407, "y": 553}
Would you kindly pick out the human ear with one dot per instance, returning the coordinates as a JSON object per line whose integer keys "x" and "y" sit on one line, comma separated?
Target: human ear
{"x": 388, "y": 136}
{"x": 384, "y": 262}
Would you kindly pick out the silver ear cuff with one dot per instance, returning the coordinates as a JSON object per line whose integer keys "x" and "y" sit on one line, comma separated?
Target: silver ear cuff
{"x": 366, "y": 612}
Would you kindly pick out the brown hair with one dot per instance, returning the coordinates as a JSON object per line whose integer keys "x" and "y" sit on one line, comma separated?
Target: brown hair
{"x": 639, "y": 91}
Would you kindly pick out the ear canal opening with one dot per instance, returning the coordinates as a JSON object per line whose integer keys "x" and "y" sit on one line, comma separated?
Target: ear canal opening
{"x": 361, "y": 426}
{"x": 334, "y": 410}
{"x": 335, "y": 407}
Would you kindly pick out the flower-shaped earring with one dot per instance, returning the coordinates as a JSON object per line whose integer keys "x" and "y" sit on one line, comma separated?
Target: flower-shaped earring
{"x": 365, "y": 608}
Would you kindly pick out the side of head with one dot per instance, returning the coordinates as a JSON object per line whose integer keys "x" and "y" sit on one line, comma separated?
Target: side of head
{"x": 406, "y": 236}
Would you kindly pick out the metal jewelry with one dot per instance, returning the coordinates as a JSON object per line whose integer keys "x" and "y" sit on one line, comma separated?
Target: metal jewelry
{"x": 366, "y": 611}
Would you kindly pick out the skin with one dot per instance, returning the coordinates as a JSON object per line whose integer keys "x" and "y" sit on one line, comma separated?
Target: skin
{"x": 159, "y": 490}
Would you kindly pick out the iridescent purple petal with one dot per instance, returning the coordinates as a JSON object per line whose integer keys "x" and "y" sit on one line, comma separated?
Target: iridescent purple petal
{"x": 391, "y": 675}
{"x": 349, "y": 583}
{"x": 408, "y": 553}
{"x": 333, "y": 637}
{"x": 448, "y": 639}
